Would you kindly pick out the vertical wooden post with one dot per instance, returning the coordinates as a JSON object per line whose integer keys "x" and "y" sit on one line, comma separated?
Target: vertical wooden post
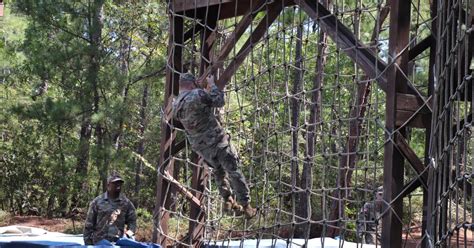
{"x": 163, "y": 187}
{"x": 200, "y": 173}
{"x": 393, "y": 160}
{"x": 426, "y": 221}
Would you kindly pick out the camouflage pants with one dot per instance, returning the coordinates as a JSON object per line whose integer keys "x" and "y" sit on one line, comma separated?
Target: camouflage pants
{"x": 223, "y": 158}
{"x": 370, "y": 234}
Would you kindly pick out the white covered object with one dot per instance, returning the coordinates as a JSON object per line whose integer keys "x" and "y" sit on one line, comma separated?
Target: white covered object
{"x": 25, "y": 233}
{"x": 293, "y": 243}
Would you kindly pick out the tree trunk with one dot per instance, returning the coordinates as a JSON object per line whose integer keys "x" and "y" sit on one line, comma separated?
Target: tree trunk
{"x": 304, "y": 210}
{"x": 141, "y": 142}
{"x": 349, "y": 158}
{"x": 95, "y": 33}
{"x": 63, "y": 174}
{"x": 295, "y": 114}
{"x": 96, "y": 43}
{"x": 124, "y": 57}
{"x": 82, "y": 159}
{"x": 50, "y": 210}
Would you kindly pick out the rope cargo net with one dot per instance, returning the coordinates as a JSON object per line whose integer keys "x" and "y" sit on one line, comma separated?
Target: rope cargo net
{"x": 306, "y": 112}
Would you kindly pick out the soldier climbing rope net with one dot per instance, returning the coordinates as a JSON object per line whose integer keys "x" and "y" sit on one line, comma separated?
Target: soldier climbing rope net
{"x": 308, "y": 105}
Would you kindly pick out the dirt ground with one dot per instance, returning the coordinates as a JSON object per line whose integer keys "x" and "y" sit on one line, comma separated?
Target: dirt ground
{"x": 51, "y": 225}
{"x": 459, "y": 239}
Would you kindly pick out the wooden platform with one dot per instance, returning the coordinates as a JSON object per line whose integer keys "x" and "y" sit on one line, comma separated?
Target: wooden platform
{"x": 226, "y": 8}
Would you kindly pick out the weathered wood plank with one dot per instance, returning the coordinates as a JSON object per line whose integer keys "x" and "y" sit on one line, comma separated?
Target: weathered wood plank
{"x": 418, "y": 120}
{"x": 411, "y": 157}
{"x": 182, "y": 5}
{"x": 183, "y": 190}
{"x": 413, "y": 103}
{"x": 394, "y": 171}
{"x": 226, "y": 9}
{"x": 171, "y": 88}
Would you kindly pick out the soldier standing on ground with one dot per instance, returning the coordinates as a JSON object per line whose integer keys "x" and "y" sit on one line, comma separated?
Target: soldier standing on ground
{"x": 370, "y": 221}
{"x": 109, "y": 213}
{"x": 194, "y": 108}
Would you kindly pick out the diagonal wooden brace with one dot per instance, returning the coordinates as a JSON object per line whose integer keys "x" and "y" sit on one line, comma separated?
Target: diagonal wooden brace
{"x": 232, "y": 39}
{"x": 411, "y": 157}
{"x": 273, "y": 12}
{"x": 185, "y": 192}
{"x": 345, "y": 39}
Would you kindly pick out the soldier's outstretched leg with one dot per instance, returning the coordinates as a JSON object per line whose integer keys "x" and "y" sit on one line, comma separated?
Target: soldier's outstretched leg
{"x": 230, "y": 162}
{"x": 222, "y": 183}
{"x": 224, "y": 190}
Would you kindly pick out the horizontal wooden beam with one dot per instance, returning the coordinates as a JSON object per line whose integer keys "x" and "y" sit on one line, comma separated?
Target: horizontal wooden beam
{"x": 420, "y": 47}
{"x": 412, "y": 119}
{"x": 226, "y": 9}
{"x": 182, "y": 5}
{"x": 413, "y": 103}
{"x": 412, "y": 111}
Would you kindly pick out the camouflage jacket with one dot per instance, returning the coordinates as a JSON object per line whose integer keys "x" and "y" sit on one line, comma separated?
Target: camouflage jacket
{"x": 369, "y": 217}
{"x": 106, "y": 219}
{"x": 194, "y": 109}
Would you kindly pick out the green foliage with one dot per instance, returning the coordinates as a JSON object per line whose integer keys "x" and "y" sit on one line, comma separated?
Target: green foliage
{"x": 50, "y": 90}
{"x": 4, "y": 215}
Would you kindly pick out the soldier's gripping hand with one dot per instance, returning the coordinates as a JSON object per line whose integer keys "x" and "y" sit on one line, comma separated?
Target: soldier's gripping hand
{"x": 210, "y": 82}
{"x": 129, "y": 234}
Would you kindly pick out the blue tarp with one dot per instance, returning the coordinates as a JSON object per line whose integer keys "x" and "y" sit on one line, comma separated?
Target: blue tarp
{"x": 37, "y": 244}
{"x": 103, "y": 244}
{"x": 124, "y": 242}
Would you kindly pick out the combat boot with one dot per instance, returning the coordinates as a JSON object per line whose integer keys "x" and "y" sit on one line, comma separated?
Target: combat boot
{"x": 249, "y": 211}
{"x": 231, "y": 205}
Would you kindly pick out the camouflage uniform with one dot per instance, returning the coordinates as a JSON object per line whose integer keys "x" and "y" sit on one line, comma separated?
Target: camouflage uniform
{"x": 194, "y": 109}
{"x": 106, "y": 219}
{"x": 369, "y": 226}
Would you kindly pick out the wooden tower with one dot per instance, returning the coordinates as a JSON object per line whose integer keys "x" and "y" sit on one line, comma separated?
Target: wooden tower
{"x": 405, "y": 105}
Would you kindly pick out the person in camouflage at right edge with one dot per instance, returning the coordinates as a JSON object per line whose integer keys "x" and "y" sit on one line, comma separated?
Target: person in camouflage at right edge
{"x": 194, "y": 109}
{"x": 369, "y": 221}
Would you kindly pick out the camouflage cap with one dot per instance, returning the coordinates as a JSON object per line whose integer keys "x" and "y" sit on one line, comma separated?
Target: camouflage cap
{"x": 379, "y": 193}
{"x": 187, "y": 77}
{"x": 114, "y": 178}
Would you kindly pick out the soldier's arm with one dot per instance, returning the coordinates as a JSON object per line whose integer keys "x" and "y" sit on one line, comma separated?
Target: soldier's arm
{"x": 131, "y": 218}
{"x": 89, "y": 226}
{"x": 215, "y": 95}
